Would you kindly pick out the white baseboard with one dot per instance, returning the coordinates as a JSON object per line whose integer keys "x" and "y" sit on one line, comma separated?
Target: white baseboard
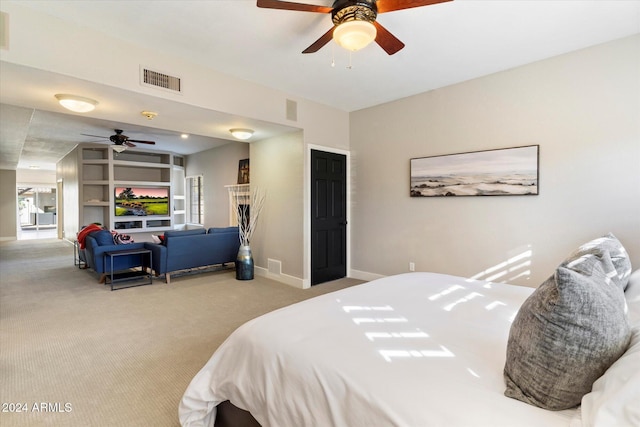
{"x": 299, "y": 283}
{"x": 364, "y": 275}
{"x": 296, "y": 282}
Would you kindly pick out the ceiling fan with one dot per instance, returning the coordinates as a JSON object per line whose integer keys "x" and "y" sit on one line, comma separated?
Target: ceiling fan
{"x": 122, "y": 140}
{"x": 354, "y": 21}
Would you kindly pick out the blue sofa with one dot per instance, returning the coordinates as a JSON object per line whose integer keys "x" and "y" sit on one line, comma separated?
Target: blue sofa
{"x": 98, "y": 243}
{"x": 185, "y": 249}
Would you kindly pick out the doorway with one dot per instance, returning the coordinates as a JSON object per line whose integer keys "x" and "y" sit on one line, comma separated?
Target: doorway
{"x": 37, "y": 208}
{"x": 328, "y": 216}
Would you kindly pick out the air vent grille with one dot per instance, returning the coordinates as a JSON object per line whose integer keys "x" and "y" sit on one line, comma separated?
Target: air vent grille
{"x": 274, "y": 266}
{"x": 292, "y": 110}
{"x": 161, "y": 80}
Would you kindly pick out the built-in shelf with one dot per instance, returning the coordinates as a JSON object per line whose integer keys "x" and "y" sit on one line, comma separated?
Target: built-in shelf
{"x": 101, "y": 170}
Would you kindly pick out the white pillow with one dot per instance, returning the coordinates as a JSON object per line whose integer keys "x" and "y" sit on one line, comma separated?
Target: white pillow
{"x": 614, "y": 399}
{"x": 632, "y": 295}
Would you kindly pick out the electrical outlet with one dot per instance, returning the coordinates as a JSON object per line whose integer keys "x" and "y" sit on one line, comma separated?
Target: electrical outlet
{"x": 412, "y": 266}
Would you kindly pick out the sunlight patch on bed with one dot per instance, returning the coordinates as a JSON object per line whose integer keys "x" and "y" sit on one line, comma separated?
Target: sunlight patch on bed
{"x": 473, "y": 373}
{"x": 361, "y": 320}
{"x": 389, "y": 355}
{"x": 446, "y": 292}
{"x": 350, "y": 308}
{"x": 469, "y": 297}
{"x": 372, "y": 336}
{"x": 508, "y": 270}
{"x": 493, "y": 305}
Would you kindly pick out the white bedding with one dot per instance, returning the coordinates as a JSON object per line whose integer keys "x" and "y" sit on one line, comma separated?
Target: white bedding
{"x": 414, "y": 350}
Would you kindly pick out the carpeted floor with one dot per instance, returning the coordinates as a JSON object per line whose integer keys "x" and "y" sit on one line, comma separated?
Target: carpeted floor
{"x": 73, "y": 353}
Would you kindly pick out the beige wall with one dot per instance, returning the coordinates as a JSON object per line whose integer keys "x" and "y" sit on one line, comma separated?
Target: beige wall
{"x": 218, "y": 167}
{"x": 277, "y": 170}
{"x": 8, "y": 205}
{"x": 583, "y": 109}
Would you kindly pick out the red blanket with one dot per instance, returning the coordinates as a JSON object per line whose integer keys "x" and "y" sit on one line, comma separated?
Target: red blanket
{"x": 82, "y": 234}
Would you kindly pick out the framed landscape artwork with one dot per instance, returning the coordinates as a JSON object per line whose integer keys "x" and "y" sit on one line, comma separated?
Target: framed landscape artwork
{"x": 500, "y": 172}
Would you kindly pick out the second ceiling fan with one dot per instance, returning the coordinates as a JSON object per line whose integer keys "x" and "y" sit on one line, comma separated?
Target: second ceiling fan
{"x": 120, "y": 139}
{"x": 354, "y": 21}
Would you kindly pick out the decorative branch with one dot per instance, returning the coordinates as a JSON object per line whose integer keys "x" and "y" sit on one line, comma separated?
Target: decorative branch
{"x": 247, "y": 208}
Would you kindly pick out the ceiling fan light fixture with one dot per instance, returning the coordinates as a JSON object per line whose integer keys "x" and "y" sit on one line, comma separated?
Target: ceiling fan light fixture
{"x": 354, "y": 35}
{"x": 77, "y": 104}
{"x": 119, "y": 148}
{"x": 242, "y": 134}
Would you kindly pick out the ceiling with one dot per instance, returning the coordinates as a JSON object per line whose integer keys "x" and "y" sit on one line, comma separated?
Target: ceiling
{"x": 445, "y": 44}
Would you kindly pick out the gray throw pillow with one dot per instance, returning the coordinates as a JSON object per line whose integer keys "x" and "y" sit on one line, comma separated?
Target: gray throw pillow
{"x": 565, "y": 336}
{"x": 617, "y": 265}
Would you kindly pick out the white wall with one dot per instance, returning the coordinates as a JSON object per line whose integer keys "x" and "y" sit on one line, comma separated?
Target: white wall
{"x": 40, "y": 178}
{"x": 218, "y": 167}
{"x": 67, "y": 170}
{"x": 583, "y": 109}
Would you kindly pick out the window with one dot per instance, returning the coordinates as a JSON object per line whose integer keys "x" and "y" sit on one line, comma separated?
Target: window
{"x": 195, "y": 200}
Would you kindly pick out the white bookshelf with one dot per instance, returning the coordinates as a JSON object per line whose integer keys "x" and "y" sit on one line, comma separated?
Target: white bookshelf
{"x": 102, "y": 170}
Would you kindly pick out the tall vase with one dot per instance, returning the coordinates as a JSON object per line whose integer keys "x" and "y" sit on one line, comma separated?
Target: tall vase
{"x": 244, "y": 263}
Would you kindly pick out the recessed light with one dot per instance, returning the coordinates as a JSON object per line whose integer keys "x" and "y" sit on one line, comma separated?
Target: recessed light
{"x": 184, "y": 136}
{"x": 150, "y": 115}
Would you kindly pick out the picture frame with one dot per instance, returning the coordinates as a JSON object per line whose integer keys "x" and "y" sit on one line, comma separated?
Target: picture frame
{"x": 510, "y": 171}
{"x": 243, "y": 171}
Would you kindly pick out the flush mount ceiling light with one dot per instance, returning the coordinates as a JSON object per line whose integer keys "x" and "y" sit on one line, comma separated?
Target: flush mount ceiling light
{"x": 242, "y": 134}
{"x": 75, "y": 103}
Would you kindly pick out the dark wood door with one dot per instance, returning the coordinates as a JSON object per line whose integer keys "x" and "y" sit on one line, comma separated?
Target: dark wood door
{"x": 328, "y": 216}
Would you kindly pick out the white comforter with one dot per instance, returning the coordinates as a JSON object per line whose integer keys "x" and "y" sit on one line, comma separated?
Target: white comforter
{"x": 414, "y": 350}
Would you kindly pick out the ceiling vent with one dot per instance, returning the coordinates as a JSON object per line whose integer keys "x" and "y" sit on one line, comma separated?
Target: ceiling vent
{"x": 160, "y": 80}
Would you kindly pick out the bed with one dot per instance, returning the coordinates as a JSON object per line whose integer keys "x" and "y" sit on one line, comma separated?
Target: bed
{"x": 416, "y": 349}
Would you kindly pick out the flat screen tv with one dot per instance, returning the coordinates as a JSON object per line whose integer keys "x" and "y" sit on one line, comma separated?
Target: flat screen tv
{"x": 142, "y": 201}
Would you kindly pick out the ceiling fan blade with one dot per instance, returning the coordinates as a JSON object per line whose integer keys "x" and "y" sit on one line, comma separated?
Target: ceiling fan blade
{"x": 141, "y": 142}
{"x": 326, "y": 38}
{"x": 386, "y": 40}
{"x": 287, "y": 5}
{"x": 95, "y": 136}
{"x": 391, "y": 5}
{"x": 128, "y": 144}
